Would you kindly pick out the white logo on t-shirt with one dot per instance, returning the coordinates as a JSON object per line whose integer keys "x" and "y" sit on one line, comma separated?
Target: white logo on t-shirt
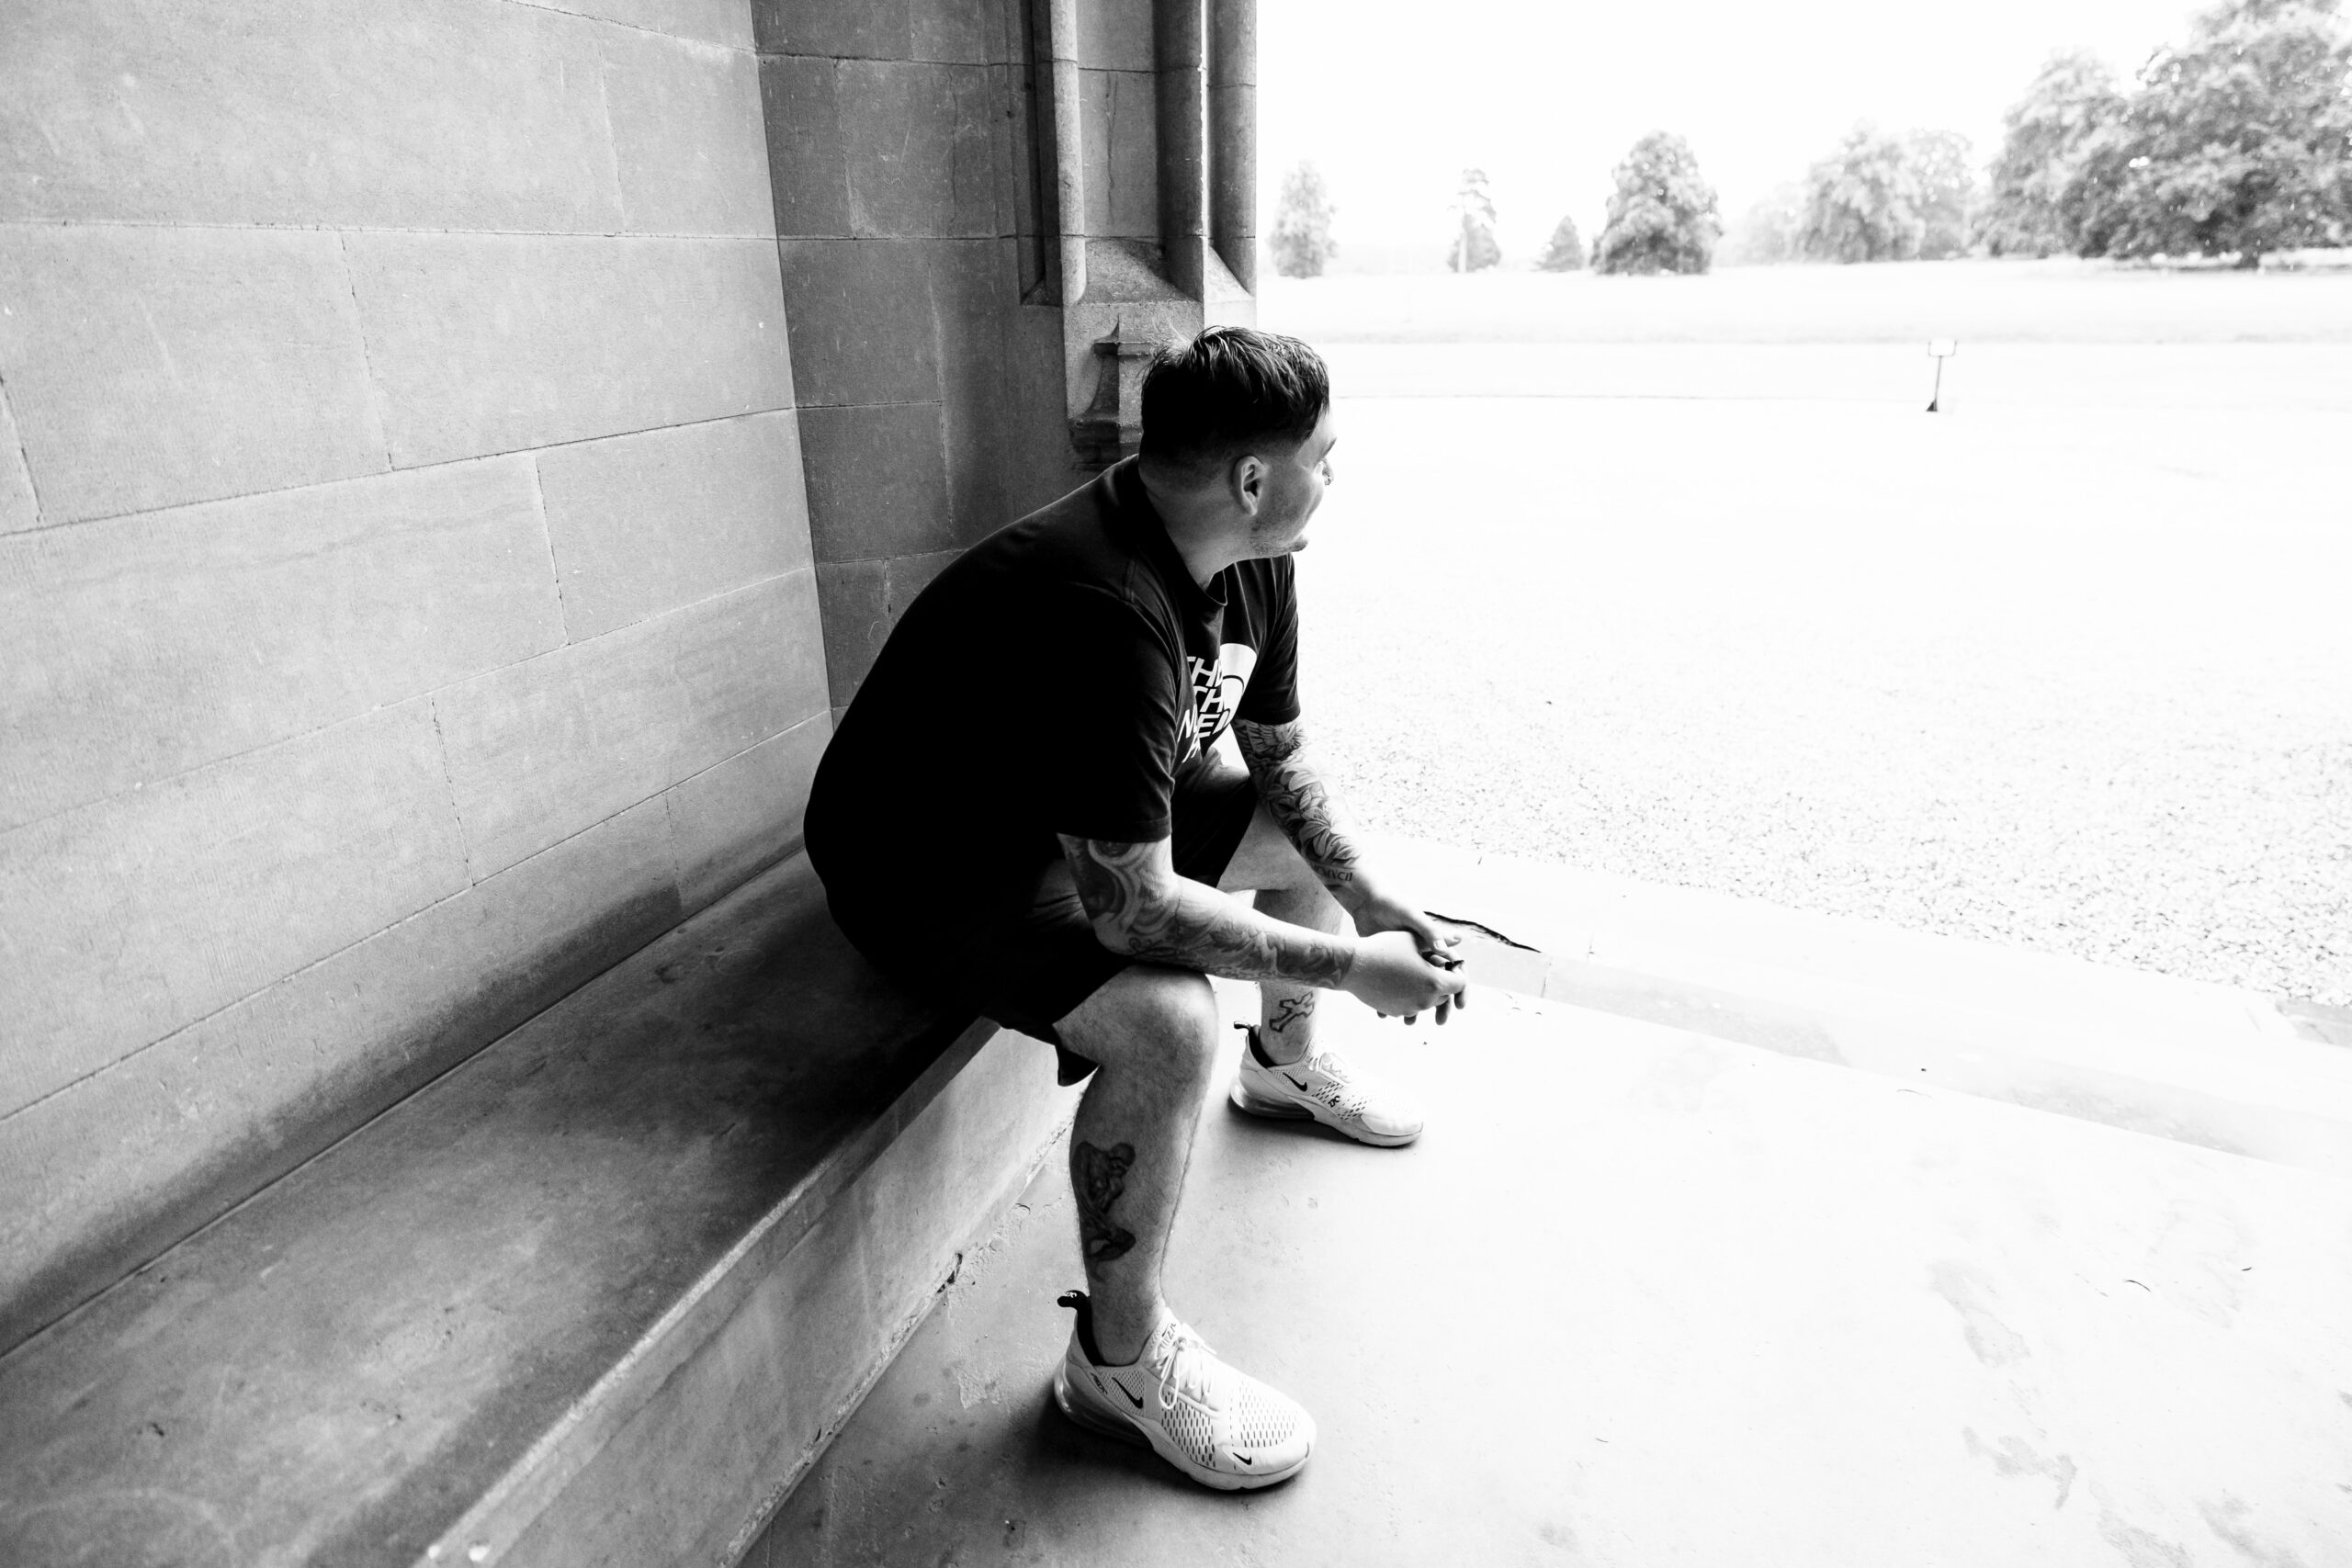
{"x": 1216, "y": 691}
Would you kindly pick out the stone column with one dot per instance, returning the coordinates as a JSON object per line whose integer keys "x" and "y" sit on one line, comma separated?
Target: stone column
{"x": 1233, "y": 136}
{"x": 1142, "y": 278}
{"x": 1177, "y": 61}
{"x": 1060, "y": 44}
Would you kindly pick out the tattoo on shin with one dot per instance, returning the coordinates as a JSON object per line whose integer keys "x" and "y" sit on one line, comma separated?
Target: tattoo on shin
{"x": 1098, "y": 1176}
{"x": 1290, "y": 1010}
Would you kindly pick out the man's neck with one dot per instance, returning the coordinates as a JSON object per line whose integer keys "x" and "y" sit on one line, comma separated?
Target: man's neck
{"x": 1197, "y": 525}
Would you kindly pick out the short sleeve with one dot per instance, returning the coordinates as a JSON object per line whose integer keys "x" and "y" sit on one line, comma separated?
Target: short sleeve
{"x": 1116, "y": 706}
{"x": 1272, "y": 696}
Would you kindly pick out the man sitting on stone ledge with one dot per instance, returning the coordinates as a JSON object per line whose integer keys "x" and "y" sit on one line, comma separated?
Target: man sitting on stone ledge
{"x": 1024, "y": 812}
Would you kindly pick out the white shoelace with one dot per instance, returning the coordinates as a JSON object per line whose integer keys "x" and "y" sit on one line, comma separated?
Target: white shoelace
{"x": 1187, "y": 1369}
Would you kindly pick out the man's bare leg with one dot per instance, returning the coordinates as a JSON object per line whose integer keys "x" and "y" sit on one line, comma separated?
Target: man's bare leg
{"x": 1287, "y": 1011}
{"x": 1154, "y": 1033}
{"x": 1287, "y": 890}
{"x": 1333, "y": 1093}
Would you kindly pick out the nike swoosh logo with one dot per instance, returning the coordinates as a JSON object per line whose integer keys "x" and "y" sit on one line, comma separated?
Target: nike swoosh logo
{"x": 1296, "y": 1083}
{"x": 1122, "y": 1388}
{"x": 1245, "y": 1459}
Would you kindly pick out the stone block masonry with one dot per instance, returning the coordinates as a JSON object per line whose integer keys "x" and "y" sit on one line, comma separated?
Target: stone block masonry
{"x": 455, "y": 461}
{"x": 130, "y": 648}
{"x": 902, "y": 152}
{"x": 154, "y": 367}
{"x": 484, "y": 343}
{"x": 548, "y": 747}
{"x": 407, "y": 603}
{"x": 650, "y": 523}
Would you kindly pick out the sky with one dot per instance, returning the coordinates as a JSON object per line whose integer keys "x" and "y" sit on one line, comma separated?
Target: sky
{"x": 1392, "y": 100}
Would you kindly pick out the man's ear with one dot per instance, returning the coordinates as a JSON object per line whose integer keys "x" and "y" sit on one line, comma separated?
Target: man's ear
{"x": 1247, "y": 480}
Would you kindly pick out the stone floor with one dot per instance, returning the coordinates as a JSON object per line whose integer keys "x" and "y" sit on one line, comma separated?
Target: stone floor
{"x": 1644, "y": 1296}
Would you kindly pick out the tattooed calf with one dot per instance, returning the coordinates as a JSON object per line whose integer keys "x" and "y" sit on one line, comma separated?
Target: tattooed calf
{"x": 1098, "y": 1176}
{"x": 1290, "y": 1010}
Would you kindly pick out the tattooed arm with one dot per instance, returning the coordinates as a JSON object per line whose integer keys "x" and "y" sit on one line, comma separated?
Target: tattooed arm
{"x": 1141, "y": 908}
{"x": 1302, "y": 804}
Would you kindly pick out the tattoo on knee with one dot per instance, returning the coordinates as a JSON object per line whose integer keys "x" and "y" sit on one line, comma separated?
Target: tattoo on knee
{"x": 1290, "y": 1010}
{"x": 1100, "y": 1175}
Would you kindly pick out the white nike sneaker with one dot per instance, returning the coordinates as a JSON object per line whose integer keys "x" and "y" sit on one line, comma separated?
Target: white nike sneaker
{"x": 1323, "y": 1087}
{"x": 1220, "y": 1426}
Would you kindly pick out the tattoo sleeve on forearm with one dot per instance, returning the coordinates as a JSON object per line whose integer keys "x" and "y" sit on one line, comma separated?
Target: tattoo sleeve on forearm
{"x": 1098, "y": 1177}
{"x": 1144, "y": 910}
{"x": 1298, "y": 800}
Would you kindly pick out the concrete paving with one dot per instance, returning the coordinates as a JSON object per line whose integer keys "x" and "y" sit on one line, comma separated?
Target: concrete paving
{"x": 1644, "y": 1296}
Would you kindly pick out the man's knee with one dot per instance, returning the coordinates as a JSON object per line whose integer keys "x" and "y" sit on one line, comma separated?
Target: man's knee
{"x": 1147, "y": 1016}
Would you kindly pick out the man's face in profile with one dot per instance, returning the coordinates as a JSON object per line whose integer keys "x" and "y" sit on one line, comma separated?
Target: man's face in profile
{"x": 1295, "y": 481}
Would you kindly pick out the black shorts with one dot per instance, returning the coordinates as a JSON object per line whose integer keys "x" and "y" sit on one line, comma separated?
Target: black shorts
{"x": 1027, "y": 971}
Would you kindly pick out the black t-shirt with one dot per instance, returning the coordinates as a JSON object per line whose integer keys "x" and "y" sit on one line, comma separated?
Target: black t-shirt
{"x": 1052, "y": 681}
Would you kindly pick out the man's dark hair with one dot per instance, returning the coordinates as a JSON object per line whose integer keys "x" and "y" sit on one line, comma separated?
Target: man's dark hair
{"x": 1227, "y": 391}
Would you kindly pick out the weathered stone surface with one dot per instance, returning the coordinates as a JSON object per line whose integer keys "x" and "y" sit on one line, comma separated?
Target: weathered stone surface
{"x": 729, "y": 822}
{"x": 383, "y": 1333}
{"x": 724, "y": 22}
{"x": 1038, "y": 463}
{"x": 877, "y": 480}
{"x": 919, "y": 144}
{"x": 149, "y": 367}
{"x": 972, "y": 284}
{"x": 1123, "y": 160}
{"x": 135, "y": 648}
{"x": 806, "y": 170}
{"x": 1115, "y": 35}
{"x": 540, "y": 750}
{"x": 110, "y": 1170}
{"x": 490, "y": 343}
{"x": 855, "y": 595}
{"x": 645, "y": 524}
{"x": 862, "y": 326}
{"x": 796, "y": 1356}
{"x": 1017, "y": 174}
{"x": 910, "y": 575}
{"x": 18, "y": 507}
{"x": 842, "y": 29}
{"x": 964, "y": 32}
{"x": 130, "y": 918}
{"x": 863, "y": 602}
{"x": 441, "y": 114}
{"x": 687, "y": 136}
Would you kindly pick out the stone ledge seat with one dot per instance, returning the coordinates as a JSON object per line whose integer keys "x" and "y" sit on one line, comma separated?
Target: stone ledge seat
{"x": 597, "y": 1295}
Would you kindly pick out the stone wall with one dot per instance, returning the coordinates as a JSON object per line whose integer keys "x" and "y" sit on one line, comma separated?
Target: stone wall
{"x": 456, "y": 457}
{"x": 406, "y": 601}
{"x": 926, "y": 338}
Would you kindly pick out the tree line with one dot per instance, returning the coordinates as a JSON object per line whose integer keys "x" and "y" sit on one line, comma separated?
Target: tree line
{"x": 2235, "y": 143}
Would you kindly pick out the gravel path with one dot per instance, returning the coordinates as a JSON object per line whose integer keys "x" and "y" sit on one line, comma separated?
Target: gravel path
{"x": 2073, "y": 678}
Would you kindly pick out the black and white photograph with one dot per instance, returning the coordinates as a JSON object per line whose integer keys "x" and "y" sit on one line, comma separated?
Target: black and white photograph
{"x": 1150, "y": 783}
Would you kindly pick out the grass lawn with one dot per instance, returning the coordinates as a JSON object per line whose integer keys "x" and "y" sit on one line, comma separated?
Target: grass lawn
{"x": 2068, "y": 665}
{"x": 2047, "y": 301}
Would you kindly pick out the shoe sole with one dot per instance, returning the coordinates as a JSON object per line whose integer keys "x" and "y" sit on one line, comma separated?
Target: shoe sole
{"x": 1115, "y": 1425}
{"x": 1290, "y": 1111}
